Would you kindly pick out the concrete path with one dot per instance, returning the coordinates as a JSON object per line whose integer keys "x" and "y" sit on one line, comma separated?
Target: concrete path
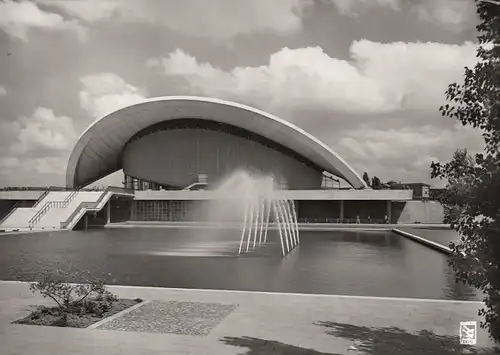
{"x": 175, "y": 321}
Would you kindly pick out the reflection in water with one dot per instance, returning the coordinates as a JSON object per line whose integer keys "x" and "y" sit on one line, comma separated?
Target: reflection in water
{"x": 342, "y": 262}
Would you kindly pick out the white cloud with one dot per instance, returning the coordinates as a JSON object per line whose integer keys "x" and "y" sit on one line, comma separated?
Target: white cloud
{"x": 350, "y": 7}
{"x": 225, "y": 19}
{"x": 104, "y": 93}
{"x": 407, "y": 151}
{"x": 391, "y": 85}
{"x": 9, "y": 167}
{"x": 31, "y": 171}
{"x": 454, "y": 15}
{"x": 8, "y": 163}
{"x": 379, "y": 78}
{"x": 50, "y": 165}
{"x": 3, "y": 91}
{"x": 39, "y": 153}
{"x": 86, "y": 10}
{"x": 43, "y": 133}
{"x": 218, "y": 19}
{"x": 419, "y": 71}
{"x": 18, "y": 17}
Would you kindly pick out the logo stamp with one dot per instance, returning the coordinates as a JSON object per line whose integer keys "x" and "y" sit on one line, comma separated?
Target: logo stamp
{"x": 468, "y": 333}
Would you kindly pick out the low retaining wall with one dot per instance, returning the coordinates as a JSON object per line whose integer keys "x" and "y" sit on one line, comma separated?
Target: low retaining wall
{"x": 417, "y": 212}
{"x": 426, "y": 242}
{"x": 302, "y": 226}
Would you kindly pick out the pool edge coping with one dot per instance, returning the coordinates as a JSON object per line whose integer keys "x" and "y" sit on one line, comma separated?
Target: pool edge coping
{"x": 433, "y": 245}
{"x": 287, "y": 294}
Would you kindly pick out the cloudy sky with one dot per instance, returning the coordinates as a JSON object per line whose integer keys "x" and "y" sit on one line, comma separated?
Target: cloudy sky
{"x": 365, "y": 76}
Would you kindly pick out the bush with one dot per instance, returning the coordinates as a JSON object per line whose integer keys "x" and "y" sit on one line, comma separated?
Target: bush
{"x": 88, "y": 297}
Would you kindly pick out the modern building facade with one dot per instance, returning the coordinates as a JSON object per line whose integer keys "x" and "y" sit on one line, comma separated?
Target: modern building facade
{"x": 174, "y": 151}
{"x": 172, "y": 140}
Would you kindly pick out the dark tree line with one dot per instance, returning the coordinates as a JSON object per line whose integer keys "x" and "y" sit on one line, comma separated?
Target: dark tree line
{"x": 374, "y": 183}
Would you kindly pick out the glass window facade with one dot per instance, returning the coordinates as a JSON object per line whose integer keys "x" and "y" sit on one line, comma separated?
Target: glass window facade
{"x": 164, "y": 210}
{"x": 139, "y": 185}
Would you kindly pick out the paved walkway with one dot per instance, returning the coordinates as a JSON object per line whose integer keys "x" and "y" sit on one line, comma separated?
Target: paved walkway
{"x": 200, "y": 322}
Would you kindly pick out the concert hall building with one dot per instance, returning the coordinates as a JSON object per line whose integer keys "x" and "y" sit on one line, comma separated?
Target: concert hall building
{"x": 174, "y": 150}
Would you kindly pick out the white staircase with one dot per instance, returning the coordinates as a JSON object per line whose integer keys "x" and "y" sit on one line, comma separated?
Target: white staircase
{"x": 54, "y": 216}
{"x": 60, "y": 209}
{"x": 20, "y": 217}
{"x": 85, "y": 207}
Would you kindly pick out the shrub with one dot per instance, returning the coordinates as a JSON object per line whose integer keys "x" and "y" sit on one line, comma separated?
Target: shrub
{"x": 88, "y": 297}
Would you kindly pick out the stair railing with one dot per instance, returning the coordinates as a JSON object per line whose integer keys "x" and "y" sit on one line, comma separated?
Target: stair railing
{"x": 70, "y": 198}
{"x": 48, "y": 206}
{"x": 42, "y": 196}
{"x": 41, "y": 212}
{"x": 93, "y": 205}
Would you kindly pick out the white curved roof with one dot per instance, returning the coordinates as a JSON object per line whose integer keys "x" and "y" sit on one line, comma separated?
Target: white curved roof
{"x": 98, "y": 150}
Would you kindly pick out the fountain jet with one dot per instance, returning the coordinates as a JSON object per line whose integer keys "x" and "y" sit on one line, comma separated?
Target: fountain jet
{"x": 261, "y": 202}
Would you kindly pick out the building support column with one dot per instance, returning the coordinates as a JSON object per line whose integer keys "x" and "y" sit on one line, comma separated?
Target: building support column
{"x": 341, "y": 211}
{"x": 108, "y": 212}
{"x": 86, "y": 222}
{"x": 389, "y": 211}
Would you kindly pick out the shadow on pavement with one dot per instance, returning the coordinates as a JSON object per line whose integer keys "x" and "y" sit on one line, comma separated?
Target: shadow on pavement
{"x": 257, "y": 346}
{"x": 384, "y": 341}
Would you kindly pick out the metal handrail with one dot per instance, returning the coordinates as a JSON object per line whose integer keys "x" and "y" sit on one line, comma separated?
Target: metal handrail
{"x": 41, "y": 212}
{"x": 69, "y": 197}
{"x": 63, "y": 204}
{"x": 87, "y": 205}
{"x": 90, "y": 205}
{"x": 35, "y": 188}
{"x": 120, "y": 190}
{"x": 49, "y": 205}
{"x": 341, "y": 220}
{"x": 42, "y": 196}
{"x": 77, "y": 210}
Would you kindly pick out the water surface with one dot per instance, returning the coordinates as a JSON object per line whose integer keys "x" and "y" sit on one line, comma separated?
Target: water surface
{"x": 358, "y": 263}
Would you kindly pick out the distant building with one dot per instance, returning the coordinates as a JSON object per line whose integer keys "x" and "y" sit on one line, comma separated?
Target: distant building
{"x": 170, "y": 148}
{"x": 421, "y": 190}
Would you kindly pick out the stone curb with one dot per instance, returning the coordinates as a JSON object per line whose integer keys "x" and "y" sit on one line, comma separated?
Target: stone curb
{"x": 117, "y": 315}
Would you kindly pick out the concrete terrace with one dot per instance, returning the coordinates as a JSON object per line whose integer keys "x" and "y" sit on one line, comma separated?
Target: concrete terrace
{"x": 175, "y": 321}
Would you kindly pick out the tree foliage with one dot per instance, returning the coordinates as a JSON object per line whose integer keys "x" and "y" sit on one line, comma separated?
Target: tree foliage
{"x": 366, "y": 178}
{"x": 472, "y": 195}
{"x": 460, "y": 175}
{"x": 376, "y": 183}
